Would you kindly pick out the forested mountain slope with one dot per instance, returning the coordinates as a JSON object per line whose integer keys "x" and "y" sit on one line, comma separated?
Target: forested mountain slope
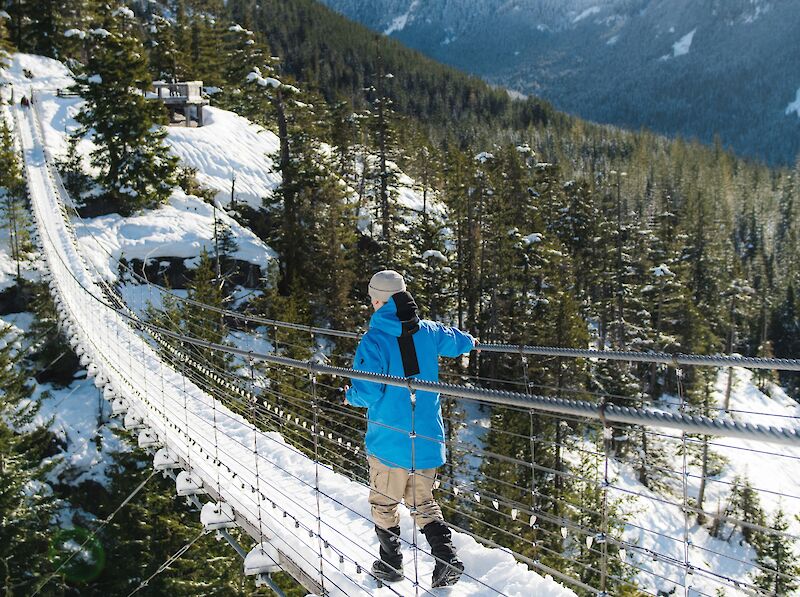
{"x": 678, "y": 67}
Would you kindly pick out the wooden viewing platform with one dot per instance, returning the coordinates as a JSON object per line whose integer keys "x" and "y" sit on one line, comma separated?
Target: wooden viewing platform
{"x": 181, "y": 99}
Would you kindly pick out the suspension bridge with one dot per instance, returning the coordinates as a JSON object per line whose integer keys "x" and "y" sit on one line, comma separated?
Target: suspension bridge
{"x": 253, "y": 457}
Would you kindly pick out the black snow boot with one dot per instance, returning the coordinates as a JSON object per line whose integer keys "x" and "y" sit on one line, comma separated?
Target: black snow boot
{"x": 448, "y": 567}
{"x": 390, "y": 567}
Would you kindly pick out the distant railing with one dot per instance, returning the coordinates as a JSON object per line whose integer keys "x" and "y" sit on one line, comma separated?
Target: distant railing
{"x": 184, "y": 90}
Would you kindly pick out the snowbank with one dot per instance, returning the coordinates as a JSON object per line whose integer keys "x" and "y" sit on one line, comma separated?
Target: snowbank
{"x": 229, "y": 144}
{"x": 795, "y": 105}
{"x": 182, "y": 228}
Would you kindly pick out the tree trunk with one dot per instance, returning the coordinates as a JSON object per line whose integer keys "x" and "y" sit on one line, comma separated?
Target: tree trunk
{"x": 731, "y": 333}
{"x": 290, "y": 264}
{"x": 384, "y": 174}
{"x": 620, "y": 284}
{"x": 701, "y": 492}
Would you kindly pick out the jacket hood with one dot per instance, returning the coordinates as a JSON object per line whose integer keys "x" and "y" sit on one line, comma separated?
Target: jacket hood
{"x": 398, "y": 316}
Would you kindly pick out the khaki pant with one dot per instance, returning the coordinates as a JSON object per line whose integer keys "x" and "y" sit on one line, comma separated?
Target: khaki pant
{"x": 390, "y": 485}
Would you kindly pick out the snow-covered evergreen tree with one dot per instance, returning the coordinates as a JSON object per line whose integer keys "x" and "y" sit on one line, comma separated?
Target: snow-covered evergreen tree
{"x": 13, "y": 213}
{"x": 167, "y": 60}
{"x": 135, "y": 168}
{"x": 780, "y": 569}
{"x": 26, "y": 501}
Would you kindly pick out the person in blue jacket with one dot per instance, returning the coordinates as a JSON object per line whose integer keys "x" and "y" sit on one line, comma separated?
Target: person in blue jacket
{"x": 402, "y": 465}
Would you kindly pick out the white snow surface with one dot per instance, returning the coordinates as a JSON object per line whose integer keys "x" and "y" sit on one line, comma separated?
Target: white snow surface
{"x": 80, "y": 34}
{"x": 592, "y": 10}
{"x": 75, "y": 414}
{"x": 795, "y": 105}
{"x": 182, "y": 228}
{"x": 122, "y": 11}
{"x": 72, "y": 413}
{"x": 178, "y": 410}
{"x": 662, "y": 271}
{"x": 654, "y": 520}
{"x": 535, "y": 237}
{"x": 682, "y": 46}
{"x": 228, "y": 143}
{"x": 399, "y": 23}
{"x": 438, "y": 255}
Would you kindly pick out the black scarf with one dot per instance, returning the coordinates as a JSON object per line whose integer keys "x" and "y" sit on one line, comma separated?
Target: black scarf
{"x": 409, "y": 320}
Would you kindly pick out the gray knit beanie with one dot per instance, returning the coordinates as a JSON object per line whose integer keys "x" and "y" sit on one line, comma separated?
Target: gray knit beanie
{"x": 384, "y": 284}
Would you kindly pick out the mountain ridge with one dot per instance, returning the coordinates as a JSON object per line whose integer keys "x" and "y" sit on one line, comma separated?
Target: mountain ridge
{"x": 630, "y": 63}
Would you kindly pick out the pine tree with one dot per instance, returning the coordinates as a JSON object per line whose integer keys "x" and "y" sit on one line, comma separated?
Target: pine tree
{"x": 33, "y": 25}
{"x": 526, "y": 295}
{"x": 779, "y": 565}
{"x": 167, "y": 59}
{"x": 206, "y": 288}
{"x": 309, "y": 223}
{"x": 26, "y": 501}
{"x": 347, "y": 137}
{"x": 382, "y": 126}
{"x": 135, "y": 167}
{"x": 151, "y": 528}
{"x": 72, "y": 40}
{"x": 71, "y": 167}
{"x": 585, "y": 553}
{"x": 5, "y": 38}
{"x": 429, "y": 268}
{"x": 744, "y": 504}
{"x": 206, "y": 45}
{"x": 244, "y": 52}
{"x": 13, "y": 213}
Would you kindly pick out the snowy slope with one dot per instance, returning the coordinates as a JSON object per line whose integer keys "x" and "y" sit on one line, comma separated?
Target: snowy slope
{"x": 224, "y": 145}
{"x": 183, "y": 227}
{"x": 773, "y": 470}
{"x": 780, "y": 471}
{"x": 73, "y": 413}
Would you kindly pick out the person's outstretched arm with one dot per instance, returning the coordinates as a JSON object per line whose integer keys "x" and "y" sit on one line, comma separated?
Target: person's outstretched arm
{"x": 452, "y": 342}
{"x": 368, "y": 358}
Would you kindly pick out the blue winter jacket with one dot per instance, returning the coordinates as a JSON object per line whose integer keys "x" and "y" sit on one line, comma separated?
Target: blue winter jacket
{"x": 389, "y": 407}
